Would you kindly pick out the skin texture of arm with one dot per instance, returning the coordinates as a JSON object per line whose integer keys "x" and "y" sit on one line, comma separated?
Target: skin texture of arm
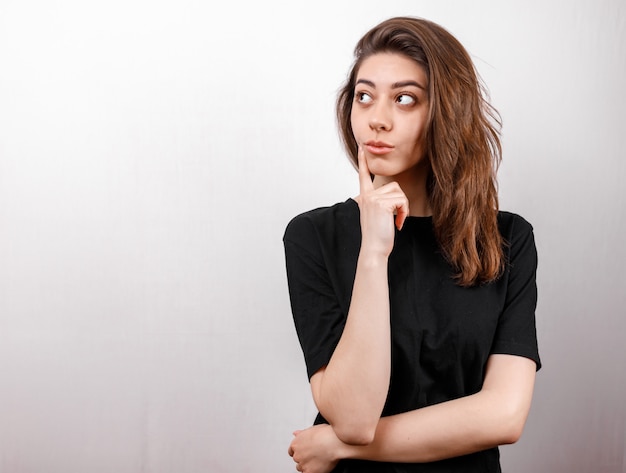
{"x": 350, "y": 396}
{"x": 494, "y": 416}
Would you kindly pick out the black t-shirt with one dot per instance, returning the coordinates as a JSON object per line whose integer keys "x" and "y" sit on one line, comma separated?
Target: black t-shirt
{"x": 442, "y": 334}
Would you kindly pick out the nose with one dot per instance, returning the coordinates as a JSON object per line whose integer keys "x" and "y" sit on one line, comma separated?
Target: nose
{"x": 380, "y": 118}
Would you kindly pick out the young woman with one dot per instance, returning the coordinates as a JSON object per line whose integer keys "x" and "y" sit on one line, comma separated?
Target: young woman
{"x": 414, "y": 302}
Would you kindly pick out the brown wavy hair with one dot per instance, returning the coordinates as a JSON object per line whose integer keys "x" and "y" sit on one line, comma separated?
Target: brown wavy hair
{"x": 462, "y": 142}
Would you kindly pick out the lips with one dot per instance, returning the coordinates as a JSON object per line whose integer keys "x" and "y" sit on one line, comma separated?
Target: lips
{"x": 378, "y": 147}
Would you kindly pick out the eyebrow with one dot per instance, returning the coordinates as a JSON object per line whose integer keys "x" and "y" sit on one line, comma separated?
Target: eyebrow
{"x": 395, "y": 85}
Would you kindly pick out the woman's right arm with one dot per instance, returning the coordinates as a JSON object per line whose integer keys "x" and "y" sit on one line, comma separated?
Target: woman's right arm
{"x": 350, "y": 391}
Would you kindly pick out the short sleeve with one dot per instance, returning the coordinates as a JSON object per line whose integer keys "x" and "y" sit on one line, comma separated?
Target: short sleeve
{"x": 516, "y": 332}
{"x": 317, "y": 314}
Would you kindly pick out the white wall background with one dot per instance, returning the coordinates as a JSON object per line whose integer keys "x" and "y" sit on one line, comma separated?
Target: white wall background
{"x": 151, "y": 154}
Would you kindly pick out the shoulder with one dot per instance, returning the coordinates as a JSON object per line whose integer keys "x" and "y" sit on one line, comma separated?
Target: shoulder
{"x": 321, "y": 220}
{"x": 512, "y": 226}
{"x": 509, "y": 219}
{"x": 518, "y": 235}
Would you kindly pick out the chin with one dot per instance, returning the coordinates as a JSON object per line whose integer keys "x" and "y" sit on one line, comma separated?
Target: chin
{"x": 383, "y": 171}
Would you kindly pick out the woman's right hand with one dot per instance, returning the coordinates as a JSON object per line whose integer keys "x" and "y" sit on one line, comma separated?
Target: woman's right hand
{"x": 348, "y": 395}
{"x": 378, "y": 208}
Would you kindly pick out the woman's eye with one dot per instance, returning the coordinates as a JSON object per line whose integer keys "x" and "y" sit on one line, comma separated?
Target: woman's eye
{"x": 405, "y": 99}
{"x": 363, "y": 97}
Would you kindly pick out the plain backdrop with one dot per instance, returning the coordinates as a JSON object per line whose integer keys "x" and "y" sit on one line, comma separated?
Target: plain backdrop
{"x": 151, "y": 155}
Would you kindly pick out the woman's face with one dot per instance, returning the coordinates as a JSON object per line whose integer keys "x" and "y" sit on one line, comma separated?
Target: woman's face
{"x": 389, "y": 113}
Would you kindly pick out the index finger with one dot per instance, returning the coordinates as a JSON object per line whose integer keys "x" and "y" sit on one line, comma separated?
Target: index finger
{"x": 365, "y": 178}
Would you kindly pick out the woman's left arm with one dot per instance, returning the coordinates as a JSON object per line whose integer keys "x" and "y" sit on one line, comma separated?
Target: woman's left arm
{"x": 494, "y": 416}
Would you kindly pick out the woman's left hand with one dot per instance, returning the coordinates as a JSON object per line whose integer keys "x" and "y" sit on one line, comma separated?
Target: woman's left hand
{"x": 316, "y": 449}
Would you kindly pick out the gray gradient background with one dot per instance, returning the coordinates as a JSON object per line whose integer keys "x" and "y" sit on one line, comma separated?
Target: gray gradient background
{"x": 151, "y": 154}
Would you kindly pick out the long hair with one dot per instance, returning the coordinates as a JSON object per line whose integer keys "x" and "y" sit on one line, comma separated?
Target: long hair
{"x": 462, "y": 142}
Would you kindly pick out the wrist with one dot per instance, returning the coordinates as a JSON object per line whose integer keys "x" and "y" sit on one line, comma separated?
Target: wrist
{"x": 344, "y": 451}
{"x": 333, "y": 446}
{"x": 373, "y": 257}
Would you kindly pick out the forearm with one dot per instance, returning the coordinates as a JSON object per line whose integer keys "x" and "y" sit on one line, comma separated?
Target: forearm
{"x": 492, "y": 417}
{"x": 433, "y": 433}
{"x": 353, "y": 387}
